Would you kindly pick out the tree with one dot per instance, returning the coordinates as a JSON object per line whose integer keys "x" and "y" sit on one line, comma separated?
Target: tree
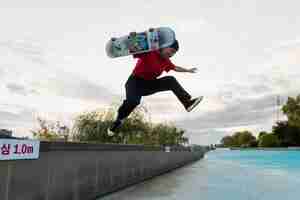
{"x": 239, "y": 139}
{"x": 227, "y": 141}
{"x": 253, "y": 143}
{"x": 92, "y": 126}
{"x": 288, "y": 134}
{"x": 244, "y": 138}
{"x": 165, "y": 134}
{"x": 269, "y": 140}
{"x": 292, "y": 110}
{"x": 262, "y": 133}
{"x": 50, "y": 130}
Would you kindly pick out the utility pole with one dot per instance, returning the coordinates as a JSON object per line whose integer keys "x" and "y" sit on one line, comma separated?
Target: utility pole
{"x": 278, "y": 103}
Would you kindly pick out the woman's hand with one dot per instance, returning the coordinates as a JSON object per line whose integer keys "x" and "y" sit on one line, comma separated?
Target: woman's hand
{"x": 193, "y": 70}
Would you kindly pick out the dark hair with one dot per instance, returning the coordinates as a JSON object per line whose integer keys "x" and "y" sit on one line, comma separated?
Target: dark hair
{"x": 175, "y": 45}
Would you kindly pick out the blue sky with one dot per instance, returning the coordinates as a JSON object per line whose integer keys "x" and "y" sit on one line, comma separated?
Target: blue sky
{"x": 53, "y": 64}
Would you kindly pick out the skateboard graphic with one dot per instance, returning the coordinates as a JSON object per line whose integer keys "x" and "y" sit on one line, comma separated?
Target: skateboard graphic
{"x": 135, "y": 43}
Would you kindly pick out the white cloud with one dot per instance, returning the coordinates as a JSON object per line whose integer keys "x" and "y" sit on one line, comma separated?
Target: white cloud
{"x": 55, "y": 64}
{"x": 283, "y": 45}
{"x": 191, "y": 25}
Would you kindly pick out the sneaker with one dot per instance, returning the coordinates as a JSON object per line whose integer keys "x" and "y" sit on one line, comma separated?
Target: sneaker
{"x": 112, "y": 130}
{"x": 193, "y": 103}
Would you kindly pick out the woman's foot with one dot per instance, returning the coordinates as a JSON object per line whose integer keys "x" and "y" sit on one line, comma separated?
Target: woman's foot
{"x": 112, "y": 129}
{"x": 193, "y": 103}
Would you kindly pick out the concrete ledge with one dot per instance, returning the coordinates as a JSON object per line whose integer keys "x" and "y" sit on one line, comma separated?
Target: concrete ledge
{"x": 59, "y": 146}
{"x": 78, "y": 171}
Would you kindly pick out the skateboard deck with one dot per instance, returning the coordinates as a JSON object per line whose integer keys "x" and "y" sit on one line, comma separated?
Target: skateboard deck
{"x": 135, "y": 43}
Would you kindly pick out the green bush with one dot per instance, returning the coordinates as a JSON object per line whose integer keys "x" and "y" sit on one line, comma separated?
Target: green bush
{"x": 92, "y": 126}
{"x": 269, "y": 140}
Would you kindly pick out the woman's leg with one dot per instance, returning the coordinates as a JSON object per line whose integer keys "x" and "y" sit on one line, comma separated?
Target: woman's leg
{"x": 165, "y": 84}
{"x": 133, "y": 99}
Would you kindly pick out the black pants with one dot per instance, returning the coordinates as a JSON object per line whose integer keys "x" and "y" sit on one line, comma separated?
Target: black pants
{"x": 137, "y": 87}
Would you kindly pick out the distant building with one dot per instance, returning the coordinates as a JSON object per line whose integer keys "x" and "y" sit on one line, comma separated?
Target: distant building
{"x": 4, "y": 133}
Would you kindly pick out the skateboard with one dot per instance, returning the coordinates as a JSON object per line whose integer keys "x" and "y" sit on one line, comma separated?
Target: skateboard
{"x": 141, "y": 42}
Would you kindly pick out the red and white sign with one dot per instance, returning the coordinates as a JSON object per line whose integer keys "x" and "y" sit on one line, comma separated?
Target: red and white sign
{"x": 11, "y": 149}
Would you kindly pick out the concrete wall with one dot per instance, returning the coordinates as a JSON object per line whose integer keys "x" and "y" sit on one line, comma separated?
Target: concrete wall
{"x": 76, "y": 171}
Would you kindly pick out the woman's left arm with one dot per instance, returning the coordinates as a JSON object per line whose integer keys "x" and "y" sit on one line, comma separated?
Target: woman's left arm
{"x": 182, "y": 69}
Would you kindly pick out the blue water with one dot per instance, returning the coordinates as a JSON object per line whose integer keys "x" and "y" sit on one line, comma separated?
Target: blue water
{"x": 282, "y": 160}
{"x": 225, "y": 174}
